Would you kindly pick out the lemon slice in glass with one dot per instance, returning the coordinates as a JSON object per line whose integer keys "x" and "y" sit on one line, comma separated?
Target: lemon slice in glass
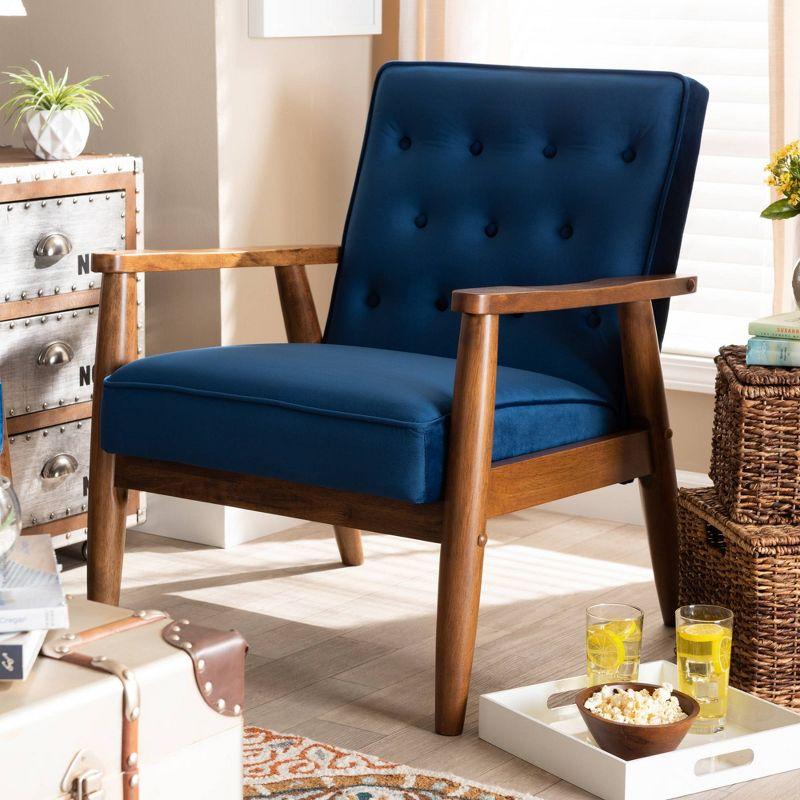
{"x": 626, "y": 629}
{"x": 604, "y": 648}
{"x": 704, "y": 639}
{"x": 722, "y": 653}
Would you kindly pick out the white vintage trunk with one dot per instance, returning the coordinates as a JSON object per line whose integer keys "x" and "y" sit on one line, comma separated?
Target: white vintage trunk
{"x": 186, "y": 750}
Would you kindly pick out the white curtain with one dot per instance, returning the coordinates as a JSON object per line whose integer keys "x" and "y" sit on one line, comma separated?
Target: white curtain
{"x": 784, "y": 103}
{"x": 421, "y": 30}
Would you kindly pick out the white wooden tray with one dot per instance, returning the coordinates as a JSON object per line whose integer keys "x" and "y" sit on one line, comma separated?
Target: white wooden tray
{"x": 760, "y": 739}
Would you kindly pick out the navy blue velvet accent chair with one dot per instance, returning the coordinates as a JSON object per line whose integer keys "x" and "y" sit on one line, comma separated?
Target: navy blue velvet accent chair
{"x": 492, "y": 344}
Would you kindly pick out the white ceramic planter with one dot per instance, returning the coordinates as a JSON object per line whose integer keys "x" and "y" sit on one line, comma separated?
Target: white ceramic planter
{"x": 55, "y": 135}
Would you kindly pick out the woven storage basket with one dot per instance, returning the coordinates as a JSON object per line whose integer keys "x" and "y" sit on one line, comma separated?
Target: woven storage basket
{"x": 754, "y": 571}
{"x": 755, "y": 454}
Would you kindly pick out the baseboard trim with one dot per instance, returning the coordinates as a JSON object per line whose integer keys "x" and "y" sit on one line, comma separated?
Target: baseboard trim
{"x": 618, "y": 503}
{"x": 207, "y": 523}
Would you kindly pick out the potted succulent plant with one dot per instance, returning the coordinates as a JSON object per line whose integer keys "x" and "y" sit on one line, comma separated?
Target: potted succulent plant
{"x": 56, "y": 115}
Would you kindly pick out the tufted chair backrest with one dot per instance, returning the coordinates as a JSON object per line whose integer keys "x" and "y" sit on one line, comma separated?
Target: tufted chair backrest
{"x": 481, "y": 175}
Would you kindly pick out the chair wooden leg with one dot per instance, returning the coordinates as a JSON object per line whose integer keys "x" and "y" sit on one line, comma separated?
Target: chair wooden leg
{"x": 464, "y": 537}
{"x": 349, "y": 542}
{"x": 107, "y": 507}
{"x": 116, "y": 345}
{"x": 647, "y": 401}
{"x": 659, "y": 493}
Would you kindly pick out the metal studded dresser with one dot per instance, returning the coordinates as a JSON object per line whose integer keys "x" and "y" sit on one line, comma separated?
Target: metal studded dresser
{"x": 52, "y": 215}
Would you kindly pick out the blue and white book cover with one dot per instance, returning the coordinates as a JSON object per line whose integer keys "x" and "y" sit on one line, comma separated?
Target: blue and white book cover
{"x": 766, "y": 352}
{"x": 31, "y": 596}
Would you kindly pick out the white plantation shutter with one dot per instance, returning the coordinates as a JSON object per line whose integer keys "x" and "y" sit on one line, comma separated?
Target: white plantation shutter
{"x": 724, "y": 45}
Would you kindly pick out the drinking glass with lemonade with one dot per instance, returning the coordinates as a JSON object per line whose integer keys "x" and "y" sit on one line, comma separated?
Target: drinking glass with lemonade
{"x": 703, "y": 636}
{"x": 613, "y": 643}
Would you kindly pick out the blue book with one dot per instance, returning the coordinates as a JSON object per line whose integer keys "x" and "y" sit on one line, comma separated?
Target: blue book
{"x": 18, "y": 651}
{"x": 767, "y": 352}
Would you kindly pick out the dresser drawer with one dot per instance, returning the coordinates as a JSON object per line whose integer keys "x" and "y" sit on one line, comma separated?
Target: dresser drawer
{"x": 47, "y": 361}
{"x": 70, "y": 228}
{"x": 51, "y": 471}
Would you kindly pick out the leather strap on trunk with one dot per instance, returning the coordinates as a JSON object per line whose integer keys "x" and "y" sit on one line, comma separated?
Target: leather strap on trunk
{"x": 63, "y": 649}
{"x": 218, "y": 659}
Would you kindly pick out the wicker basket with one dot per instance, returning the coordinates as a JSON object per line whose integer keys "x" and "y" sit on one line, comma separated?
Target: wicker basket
{"x": 755, "y": 454}
{"x": 755, "y": 571}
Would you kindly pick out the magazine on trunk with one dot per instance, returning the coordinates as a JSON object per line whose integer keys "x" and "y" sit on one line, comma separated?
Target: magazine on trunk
{"x": 31, "y": 596}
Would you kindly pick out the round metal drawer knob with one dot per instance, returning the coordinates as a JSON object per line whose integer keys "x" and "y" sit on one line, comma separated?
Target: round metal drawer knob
{"x": 59, "y": 467}
{"x": 53, "y": 245}
{"x": 55, "y": 353}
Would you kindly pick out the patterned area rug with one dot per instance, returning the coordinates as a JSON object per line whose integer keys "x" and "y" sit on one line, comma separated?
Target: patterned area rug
{"x": 280, "y": 766}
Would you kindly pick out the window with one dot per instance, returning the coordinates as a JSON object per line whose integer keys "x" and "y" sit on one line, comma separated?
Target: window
{"x": 724, "y": 45}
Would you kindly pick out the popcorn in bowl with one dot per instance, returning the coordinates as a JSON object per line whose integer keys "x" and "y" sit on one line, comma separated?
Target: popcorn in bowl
{"x": 636, "y": 708}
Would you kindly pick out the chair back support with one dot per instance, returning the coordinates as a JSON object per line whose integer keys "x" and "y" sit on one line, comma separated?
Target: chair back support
{"x": 477, "y": 175}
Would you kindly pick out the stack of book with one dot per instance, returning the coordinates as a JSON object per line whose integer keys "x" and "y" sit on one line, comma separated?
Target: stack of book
{"x": 32, "y": 602}
{"x": 775, "y": 341}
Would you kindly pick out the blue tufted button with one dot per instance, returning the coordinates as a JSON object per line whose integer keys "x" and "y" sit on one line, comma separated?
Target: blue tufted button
{"x": 441, "y": 303}
{"x": 628, "y": 155}
{"x": 476, "y": 148}
{"x": 405, "y": 143}
{"x": 421, "y": 220}
{"x": 373, "y": 300}
{"x": 550, "y": 151}
{"x": 491, "y": 230}
{"x": 566, "y": 231}
{"x": 593, "y": 318}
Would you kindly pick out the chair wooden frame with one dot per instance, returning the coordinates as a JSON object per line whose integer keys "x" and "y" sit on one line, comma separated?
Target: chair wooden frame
{"x": 475, "y": 488}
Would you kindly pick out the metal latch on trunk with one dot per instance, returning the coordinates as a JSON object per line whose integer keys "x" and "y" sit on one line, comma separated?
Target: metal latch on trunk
{"x": 84, "y": 778}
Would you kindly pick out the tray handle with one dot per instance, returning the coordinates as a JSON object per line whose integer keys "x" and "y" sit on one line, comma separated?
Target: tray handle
{"x": 722, "y": 762}
{"x": 729, "y": 760}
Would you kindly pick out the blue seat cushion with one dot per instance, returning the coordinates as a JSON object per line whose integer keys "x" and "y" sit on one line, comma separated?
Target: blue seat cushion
{"x": 358, "y": 419}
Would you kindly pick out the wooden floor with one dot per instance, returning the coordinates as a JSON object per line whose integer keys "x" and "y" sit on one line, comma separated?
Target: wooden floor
{"x": 345, "y": 654}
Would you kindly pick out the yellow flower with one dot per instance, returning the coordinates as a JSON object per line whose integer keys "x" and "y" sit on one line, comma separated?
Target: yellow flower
{"x": 783, "y": 172}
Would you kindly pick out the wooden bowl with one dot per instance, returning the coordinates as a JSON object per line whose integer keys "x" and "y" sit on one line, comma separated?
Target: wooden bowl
{"x": 637, "y": 741}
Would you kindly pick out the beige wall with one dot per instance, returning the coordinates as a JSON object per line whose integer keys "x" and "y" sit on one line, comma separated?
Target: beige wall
{"x": 159, "y": 59}
{"x": 691, "y": 416}
{"x": 386, "y": 46}
{"x": 291, "y": 118}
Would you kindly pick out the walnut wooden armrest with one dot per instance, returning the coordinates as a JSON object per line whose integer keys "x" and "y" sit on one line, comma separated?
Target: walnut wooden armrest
{"x": 603, "y": 292}
{"x": 116, "y": 332}
{"x": 176, "y": 260}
